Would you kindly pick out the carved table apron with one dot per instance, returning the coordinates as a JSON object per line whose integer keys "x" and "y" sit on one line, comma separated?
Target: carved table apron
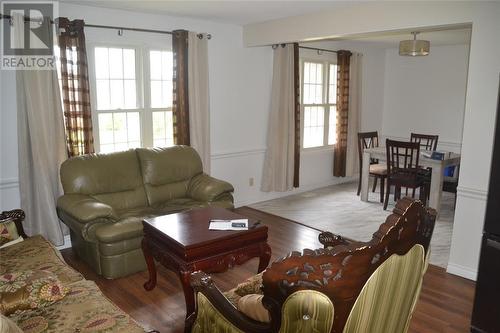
{"x": 212, "y": 257}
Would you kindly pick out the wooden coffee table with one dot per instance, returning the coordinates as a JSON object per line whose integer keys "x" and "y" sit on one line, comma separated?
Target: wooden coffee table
{"x": 182, "y": 242}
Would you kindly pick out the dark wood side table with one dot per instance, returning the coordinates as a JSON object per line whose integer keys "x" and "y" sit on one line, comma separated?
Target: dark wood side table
{"x": 182, "y": 242}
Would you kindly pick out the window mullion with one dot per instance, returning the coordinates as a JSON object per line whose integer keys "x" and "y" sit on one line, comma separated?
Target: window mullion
{"x": 325, "y": 104}
{"x": 147, "y": 112}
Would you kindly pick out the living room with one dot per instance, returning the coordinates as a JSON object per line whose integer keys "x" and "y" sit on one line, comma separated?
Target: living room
{"x": 240, "y": 71}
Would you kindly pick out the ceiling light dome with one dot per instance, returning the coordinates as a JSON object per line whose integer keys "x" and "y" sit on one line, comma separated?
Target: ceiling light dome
{"x": 414, "y": 47}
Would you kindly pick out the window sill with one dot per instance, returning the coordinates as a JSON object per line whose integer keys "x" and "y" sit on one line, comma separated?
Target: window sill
{"x": 329, "y": 148}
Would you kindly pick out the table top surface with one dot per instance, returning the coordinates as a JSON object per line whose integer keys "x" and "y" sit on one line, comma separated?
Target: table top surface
{"x": 190, "y": 228}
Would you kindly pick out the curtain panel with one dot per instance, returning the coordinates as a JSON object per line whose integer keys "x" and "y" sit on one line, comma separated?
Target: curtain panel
{"x": 199, "y": 101}
{"x": 75, "y": 87}
{"x": 354, "y": 121}
{"x": 180, "y": 106}
{"x": 340, "y": 150}
{"x": 41, "y": 146}
{"x": 281, "y": 165}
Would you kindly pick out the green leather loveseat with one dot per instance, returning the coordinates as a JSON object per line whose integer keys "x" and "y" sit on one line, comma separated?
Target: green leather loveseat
{"x": 106, "y": 196}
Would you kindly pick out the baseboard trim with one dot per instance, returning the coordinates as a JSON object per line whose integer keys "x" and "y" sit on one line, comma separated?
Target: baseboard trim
{"x": 462, "y": 271}
{"x": 67, "y": 243}
{"x": 301, "y": 189}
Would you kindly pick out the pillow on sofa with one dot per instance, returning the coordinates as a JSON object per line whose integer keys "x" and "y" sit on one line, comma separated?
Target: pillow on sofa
{"x": 251, "y": 305}
{"x": 8, "y": 232}
{"x": 8, "y": 326}
{"x": 29, "y": 290}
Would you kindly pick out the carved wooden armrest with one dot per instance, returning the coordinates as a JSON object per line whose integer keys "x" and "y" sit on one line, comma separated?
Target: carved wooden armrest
{"x": 330, "y": 239}
{"x": 16, "y": 215}
{"x": 202, "y": 283}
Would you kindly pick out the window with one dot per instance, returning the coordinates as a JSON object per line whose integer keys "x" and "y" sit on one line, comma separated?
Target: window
{"x": 319, "y": 94}
{"x": 132, "y": 98}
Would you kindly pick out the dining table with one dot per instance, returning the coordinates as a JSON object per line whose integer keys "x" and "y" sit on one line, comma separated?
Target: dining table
{"x": 437, "y": 174}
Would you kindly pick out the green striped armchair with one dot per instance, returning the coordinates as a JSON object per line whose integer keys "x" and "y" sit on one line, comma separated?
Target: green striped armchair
{"x": 347, "y": 286}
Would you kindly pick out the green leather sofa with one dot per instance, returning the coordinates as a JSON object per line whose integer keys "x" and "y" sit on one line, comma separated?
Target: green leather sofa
{"x": 106, "y": 196}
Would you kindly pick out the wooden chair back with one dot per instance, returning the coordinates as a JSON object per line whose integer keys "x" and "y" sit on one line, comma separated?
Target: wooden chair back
{"x": 402, "y": 158}
{"x": 367, "y": 140}
{"x": 426, "y": 142}
{"x": 342, "y": 268}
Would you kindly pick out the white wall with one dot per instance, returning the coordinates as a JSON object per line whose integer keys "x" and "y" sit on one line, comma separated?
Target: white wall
{"x": 481, "y": 95}
{"x": 9, "y": 191}
{"x": 426, "y": 94}
{"x": 240, "y": 87}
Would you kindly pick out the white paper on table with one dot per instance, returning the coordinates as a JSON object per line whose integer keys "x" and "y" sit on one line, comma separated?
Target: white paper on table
{"x": 227, "y": 224}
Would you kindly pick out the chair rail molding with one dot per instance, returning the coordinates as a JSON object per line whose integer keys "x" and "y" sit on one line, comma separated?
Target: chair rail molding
{"x": 472, "y": 193}
{"x": 7, "y": 183}
{"x": 237, "y": 153}
{"x": 446, "y": 145}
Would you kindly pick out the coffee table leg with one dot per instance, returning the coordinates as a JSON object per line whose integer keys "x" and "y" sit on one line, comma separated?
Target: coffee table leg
{"x": 265, "y": 257}
{"x": 151, "y": 283}
{"x": 185, "y": 276}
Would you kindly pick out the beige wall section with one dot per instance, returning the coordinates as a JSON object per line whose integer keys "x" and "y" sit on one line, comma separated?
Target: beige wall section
{"x": 481, "y": 95}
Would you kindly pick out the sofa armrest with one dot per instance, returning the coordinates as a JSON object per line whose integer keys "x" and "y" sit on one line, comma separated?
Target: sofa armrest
{"x": 206, "y": 189}
{"x": 84, "y": 208}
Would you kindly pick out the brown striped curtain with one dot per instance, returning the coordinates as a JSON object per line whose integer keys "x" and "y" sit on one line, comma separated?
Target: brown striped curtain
{"x": 180, "y": 106}
{"x": 75, "y": 87}
{"x": 340, "y": 151}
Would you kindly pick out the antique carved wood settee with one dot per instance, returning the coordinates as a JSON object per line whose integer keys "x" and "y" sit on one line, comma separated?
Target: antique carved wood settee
{"x": 106, "y": 196}
{"x": 39, "y": 292}
{"x": 347, "y": 286}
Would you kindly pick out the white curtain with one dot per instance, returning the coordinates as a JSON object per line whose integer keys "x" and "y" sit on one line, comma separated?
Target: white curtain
{"x": 199, "y": 101}
{"x": 354, "y": 119}
{"x": 41, "y": 147}
{"x": 279, "y": 160}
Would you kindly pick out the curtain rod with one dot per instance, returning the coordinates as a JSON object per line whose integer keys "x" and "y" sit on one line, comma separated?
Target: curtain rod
{"x": 316, "y": 49}
{"x": 27, "y": 19}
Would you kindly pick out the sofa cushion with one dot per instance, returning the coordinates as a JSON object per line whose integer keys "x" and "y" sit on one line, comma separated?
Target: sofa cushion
{"x": 84, "y": 309}
{"x": 129, "y": 225}
{"x": 114, "y": 179}
{"x": 25, "y": 290}
{"x": 36, "y": 253}
{"x": 166, "y": 171}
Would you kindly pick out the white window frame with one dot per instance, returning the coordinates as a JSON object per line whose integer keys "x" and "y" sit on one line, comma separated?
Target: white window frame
{"x": 143, "y": 90}
{"x": 326, "y": 87}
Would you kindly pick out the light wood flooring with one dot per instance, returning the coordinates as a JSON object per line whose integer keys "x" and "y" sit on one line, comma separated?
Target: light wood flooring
{"x": 445, "y": 303}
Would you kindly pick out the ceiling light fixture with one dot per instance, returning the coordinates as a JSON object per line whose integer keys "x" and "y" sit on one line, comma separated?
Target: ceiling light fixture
{"x": 414, "y": 47}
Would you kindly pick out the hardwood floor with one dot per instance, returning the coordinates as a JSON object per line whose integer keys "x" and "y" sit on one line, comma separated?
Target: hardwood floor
{"x": 445, "y": 303}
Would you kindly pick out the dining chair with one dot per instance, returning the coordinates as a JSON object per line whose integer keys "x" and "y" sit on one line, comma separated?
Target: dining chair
{"x": 377, "y": 170}
{"x": 403, "y": 170}
{"x": 426, "y": 142}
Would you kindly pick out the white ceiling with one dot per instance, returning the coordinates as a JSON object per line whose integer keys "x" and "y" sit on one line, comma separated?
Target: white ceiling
{"x": 228, "y": 11}
{"x": 253, "y": 11}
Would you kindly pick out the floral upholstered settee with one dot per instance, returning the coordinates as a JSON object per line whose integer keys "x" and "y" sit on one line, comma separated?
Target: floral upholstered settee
{"x": 39, "y": 292}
